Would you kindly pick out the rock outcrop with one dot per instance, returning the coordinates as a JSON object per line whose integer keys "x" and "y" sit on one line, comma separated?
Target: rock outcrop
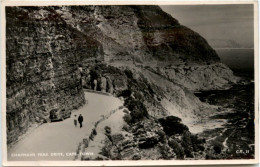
{"x": 42, "y": 55}
{"x": 149, "y": 139}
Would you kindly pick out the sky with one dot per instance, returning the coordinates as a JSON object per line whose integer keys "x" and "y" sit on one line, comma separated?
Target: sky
{"x": 223, "y": 26}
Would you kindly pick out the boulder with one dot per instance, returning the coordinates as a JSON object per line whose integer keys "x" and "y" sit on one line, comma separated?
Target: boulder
{"x": 149, "y": 141}
{"x": 120, "y": 83}
{"x": 103, "y": 84}
{"x": 114, "y": 154}
{"x": 110, "y": 88}
{"x": 117, "y": 137}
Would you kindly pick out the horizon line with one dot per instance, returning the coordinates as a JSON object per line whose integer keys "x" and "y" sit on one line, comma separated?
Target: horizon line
{"x": 232, "y": 48}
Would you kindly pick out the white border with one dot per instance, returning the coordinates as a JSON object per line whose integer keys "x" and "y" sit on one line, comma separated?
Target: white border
{"x": 123, "y": 162}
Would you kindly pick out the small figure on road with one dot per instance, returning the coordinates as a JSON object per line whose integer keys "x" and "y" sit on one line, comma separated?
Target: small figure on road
{"x": 75, "y": 120}
{"x": 80, "y": 119}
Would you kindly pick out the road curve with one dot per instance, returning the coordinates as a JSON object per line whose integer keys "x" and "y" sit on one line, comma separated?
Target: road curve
{"x": 59, "y": 140}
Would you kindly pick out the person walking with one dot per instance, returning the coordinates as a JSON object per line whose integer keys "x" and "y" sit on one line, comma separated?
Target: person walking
{"x": 75, "y": 120}
{"x": 80, "y": 119}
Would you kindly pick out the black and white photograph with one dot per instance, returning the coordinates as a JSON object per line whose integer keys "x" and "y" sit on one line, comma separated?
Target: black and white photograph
{"x": 132, "y": 82}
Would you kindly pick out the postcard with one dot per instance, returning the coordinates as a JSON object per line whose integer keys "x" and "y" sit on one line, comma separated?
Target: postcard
{"x": 129, "y": 83}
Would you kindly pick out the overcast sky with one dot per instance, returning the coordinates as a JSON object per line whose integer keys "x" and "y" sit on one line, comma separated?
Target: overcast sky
{"x": 221, "y": 25}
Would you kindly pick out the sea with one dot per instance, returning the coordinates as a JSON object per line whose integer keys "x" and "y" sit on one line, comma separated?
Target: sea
{"x": 236, "y": 137}
{"x": 240, "y": 60}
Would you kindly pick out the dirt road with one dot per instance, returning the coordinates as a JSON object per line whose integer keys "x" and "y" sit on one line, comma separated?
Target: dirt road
{"x": 59, "y": 140}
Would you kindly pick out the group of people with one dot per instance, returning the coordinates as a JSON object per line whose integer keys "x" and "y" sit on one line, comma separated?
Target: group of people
{"x": 80, "y": 120}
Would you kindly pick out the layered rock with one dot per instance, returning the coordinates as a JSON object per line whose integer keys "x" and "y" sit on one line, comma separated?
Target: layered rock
{"x": 150, "y": 139}
{"x": 146, "y": 36}
{"x": 198, "y": 77}
{"x": 42, "y": 53}
{"x": 143, "y": 34}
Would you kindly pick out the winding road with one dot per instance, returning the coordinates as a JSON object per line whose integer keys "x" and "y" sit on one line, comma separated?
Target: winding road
{"x": 59, "y": 140}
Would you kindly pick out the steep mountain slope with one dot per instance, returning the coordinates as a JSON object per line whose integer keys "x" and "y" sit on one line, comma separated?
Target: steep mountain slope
{"x": 140, "y": 33}
{"x": 147, "y": 36}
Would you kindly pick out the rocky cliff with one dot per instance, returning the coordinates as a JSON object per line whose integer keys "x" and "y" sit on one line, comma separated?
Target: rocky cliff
{"x": 146, "y": 36}
{"x": 143, "y": 34}
{"x": 42, "y": 55}
{"x": 137, "y": 52}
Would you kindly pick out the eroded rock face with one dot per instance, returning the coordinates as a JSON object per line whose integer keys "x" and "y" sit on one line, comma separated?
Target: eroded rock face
{"x": 146, "y": 36}
{"x": 141, "y": 34}
{"x": 126, "y": 146}
{"x": 145, "y": 138}
{"x": 42, "y": 53}
{"x": 200, "y": 77}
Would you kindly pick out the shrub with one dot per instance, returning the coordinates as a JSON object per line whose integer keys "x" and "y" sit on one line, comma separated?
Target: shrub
{"x": 203, "y": 140}
{"x": 147, "y": 143}
{"x": 126, "y": 111}
{"x": 188, "y": 153}
{"x": 105, "y": 151}
{"x": 186, "y": 139}
{"x": 94, "y": 132}
{"x": 162, "y": 135}
{"x": 129, "y": 74}
{"x": 93, "y": 74}
{"x": 197, "y": 143}
{"x": 126, "y": 128}
{"x": 91, "y": 137}
{"x": 217, "y": 149}
{"x": 125, "y": 93}
{"x": 137, "y": 108}
{"x": 171, "y": 125}
{"x": 107, "y": 129}
{"x": 173, "y": 119}
{"x": 177, "y": 148}
{"x": 165, "y": 151}
{"x": 201, "y": 147}
{"x": 136, "y": 157}
{"x": 127, "y": 118}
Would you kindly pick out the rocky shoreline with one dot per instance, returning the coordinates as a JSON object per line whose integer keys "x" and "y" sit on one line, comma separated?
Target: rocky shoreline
{"x": 239, "y": 121}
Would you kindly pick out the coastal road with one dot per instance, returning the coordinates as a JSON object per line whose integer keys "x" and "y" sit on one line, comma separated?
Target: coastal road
{"x": 59, "y": 140}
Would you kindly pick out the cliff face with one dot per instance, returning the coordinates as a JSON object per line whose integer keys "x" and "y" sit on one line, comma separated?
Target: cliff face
{"x": 42, "y": 53}
{"x": 144, "y": 34}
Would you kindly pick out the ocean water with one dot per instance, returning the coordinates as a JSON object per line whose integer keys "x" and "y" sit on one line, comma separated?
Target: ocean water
{"x": 236, "y": 137}
{"x": 241, "y": 61}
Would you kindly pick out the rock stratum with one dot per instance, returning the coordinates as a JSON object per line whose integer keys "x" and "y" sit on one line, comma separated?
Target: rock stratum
{"x": 42, "y": 52}
{"x": 139, "y": 53}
